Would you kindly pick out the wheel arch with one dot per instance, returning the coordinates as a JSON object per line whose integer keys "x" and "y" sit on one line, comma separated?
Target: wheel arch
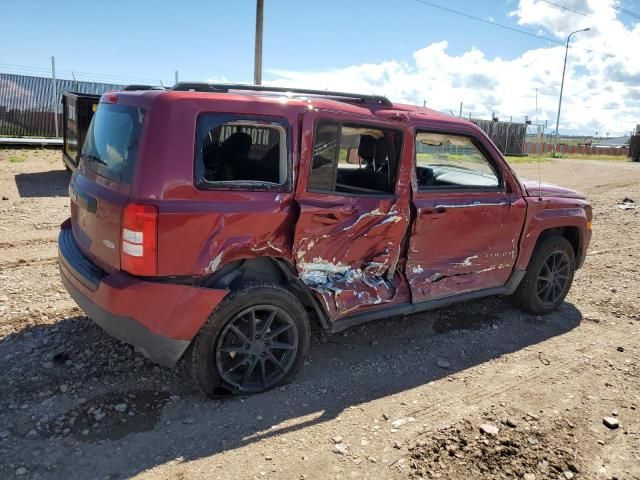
{"x": 275, "y": 270}
{"x": 571, "y": 233}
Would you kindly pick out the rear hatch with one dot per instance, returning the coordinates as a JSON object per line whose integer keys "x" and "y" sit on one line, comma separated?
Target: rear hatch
{"x": 101, "y": 187}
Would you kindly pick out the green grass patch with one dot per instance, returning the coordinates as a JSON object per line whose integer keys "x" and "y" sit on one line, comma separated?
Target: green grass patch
{"x": 582, "y": 156}
{"x": 16, "y": 158}
{"x": 549, "y": 157}
{"x": 526, "y": 159}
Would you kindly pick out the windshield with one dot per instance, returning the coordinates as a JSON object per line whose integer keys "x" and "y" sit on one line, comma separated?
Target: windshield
{"x": 111, "y": 146}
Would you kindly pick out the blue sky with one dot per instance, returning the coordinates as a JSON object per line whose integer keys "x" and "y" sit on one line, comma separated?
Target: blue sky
{"x": 404, "y": 49}
{"x": 203, "y": 39}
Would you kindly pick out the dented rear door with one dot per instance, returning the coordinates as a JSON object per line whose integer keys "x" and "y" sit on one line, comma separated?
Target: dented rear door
{"x": 348, "y": 236}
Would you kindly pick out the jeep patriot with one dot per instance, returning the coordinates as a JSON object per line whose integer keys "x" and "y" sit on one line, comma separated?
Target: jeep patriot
{"x": 218, "y": 221}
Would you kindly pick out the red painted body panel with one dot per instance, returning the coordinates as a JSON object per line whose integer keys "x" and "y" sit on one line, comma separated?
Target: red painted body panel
{"x": 198, "y": 237}
{"x": 347, "y": 247}
{"x": 355, "y": 253}
{"x": 463, "y": 241}
{"x": 540, "y": 189}
{"x": 98, "y": 234}
{"x": 221, "y": 225}
{"x": 471, "y": 245}
{"x": 167, "y": 309}
{"x": 547, "y": 213}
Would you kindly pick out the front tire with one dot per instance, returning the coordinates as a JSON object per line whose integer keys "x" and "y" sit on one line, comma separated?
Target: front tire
{"x": 549, "y": 276}
{"x": 255, "y": 340}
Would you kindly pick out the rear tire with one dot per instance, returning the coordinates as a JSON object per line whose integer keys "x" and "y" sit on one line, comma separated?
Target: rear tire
{"x": 549, "y": 276}
{"x": 255, "y": 340}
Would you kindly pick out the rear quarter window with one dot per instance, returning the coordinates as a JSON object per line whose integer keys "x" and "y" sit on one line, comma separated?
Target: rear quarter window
{"x": 112, "y": 142}
{"x": 241, "y": 152}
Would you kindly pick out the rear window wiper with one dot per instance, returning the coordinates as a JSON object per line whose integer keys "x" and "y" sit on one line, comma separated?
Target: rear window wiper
{"x": 93, "y": 158}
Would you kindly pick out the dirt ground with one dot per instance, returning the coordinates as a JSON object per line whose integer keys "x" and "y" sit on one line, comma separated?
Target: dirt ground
{"x": 479, "y": 390}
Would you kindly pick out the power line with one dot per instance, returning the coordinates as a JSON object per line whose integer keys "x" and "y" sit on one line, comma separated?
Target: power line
{"x": 28, "y": 70}
{"x": 621, "y": 10}
{"x": 627, "y": 12}
{"x": 506, "y": 27}
{"x": 568, "y": 9}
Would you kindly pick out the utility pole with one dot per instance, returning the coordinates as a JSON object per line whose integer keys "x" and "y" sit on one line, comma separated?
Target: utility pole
{"x": 460, "y": 114}
{"x": 564, "y": 68}
{"x": 54, "y": 88}
{"x": 176, "y": 72}
{"x": 257, "y": 65}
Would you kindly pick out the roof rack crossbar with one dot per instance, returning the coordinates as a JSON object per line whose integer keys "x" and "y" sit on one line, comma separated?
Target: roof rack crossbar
{"x": 225, "y": 87}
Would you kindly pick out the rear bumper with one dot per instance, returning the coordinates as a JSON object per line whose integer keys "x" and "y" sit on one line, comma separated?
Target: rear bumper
{"x": 159, "y": 319}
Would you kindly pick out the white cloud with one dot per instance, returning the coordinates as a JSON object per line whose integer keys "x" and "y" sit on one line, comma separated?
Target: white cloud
{"x": 602, "y": 85}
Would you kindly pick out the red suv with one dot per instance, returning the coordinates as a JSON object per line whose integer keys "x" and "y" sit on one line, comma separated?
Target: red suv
{"x": 225, "y": 218}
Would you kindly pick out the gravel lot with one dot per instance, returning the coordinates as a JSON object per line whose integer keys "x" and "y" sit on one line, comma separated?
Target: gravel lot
{"x": 479, "y": 390}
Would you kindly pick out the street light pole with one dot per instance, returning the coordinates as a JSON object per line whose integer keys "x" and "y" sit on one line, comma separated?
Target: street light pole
{"x": 257, "y": 65}
{"x": 564, "y": 68}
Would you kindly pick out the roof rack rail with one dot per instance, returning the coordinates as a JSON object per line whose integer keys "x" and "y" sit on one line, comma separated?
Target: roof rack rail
{"x": 133, "y": 87}
{"x": 225, "y": 87}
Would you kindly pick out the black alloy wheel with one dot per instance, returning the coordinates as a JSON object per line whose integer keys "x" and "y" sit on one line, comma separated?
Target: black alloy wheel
{"x": 553, "y": 278}
{"x": 256, "y": 348}
{"x": 548, "y": 276}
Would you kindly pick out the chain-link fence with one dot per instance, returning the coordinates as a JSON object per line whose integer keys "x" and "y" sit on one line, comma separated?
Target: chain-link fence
{"x": 27, "y": 103}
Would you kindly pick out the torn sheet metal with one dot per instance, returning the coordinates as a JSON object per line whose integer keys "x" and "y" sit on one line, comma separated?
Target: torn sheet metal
{"x": 348, "y": 255}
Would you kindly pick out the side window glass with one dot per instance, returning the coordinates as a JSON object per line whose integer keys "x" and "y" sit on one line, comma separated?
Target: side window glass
{"x": 237, "y": 151}
{"x": 325, "y": 151}
{"x": 451, "y": 161}
{"x": 354, "y": 159}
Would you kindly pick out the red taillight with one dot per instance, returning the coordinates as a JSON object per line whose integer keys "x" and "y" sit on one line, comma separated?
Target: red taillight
{"x": 139, "y": 252}
{"x": 109, "y": 97}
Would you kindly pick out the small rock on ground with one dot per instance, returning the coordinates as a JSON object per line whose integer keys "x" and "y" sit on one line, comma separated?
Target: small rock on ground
{"x": 341, "y": 448}
{"x": 611, "y": 422}
{"x": 489, "y": 429}
{"x": 402, "y": 421}
{"x": 443, "y": 364}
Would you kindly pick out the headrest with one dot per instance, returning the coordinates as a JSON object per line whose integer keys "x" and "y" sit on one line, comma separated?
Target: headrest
{"x": 238, "y": 143}
{"x": 382, "y": 151}
{"x": 367, "y": 147}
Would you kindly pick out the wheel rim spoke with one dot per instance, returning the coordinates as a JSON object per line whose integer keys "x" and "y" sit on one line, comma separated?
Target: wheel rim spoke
{"x": 546, "y": 269}
{"x": 247, "y": 374}
{"x": 237, "y": 364}
{"x": 263, "y": 372}
{"x": 252, "y": 321}
{"x": 239, "y": 334}
{"x": 269, "y": 321}
{"x": 273, "y": 358}
{"x": 246, "y": 356}
{"x": 281, "y": 346}
{"x": 234, "y": 349}
{"x": 278, "y": 332}
{"x": 553, "y": 277}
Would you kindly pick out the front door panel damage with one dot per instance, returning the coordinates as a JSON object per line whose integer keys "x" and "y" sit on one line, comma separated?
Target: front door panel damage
{"x": 471, "y": 245}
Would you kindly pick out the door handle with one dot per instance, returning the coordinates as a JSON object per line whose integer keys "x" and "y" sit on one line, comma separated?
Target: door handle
{"x": 434, "y": 211}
